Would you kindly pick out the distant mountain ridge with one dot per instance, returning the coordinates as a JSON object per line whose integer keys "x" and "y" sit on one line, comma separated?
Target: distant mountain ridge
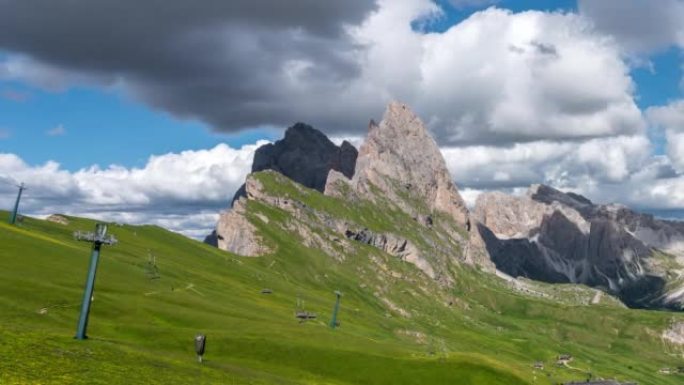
{"x": 559, "y": 237}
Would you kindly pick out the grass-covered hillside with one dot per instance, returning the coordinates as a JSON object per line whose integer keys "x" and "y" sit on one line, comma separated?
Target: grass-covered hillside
{"x": 396, "y": 325}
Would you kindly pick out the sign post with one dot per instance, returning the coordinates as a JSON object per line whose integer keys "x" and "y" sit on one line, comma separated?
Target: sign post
{"x": 200, "y": 344}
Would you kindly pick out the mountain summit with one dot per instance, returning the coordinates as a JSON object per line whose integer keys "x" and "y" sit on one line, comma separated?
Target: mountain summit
{"x": 400, "y": 158}
{"x": 304, "y": 155}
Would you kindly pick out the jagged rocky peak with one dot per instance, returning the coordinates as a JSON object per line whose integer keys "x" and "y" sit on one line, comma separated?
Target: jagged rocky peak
{"x": 306, "y": 156}
{"x": 402, "y": 160}
{"x": 553, "y": 236}
{"x": 546, "y": 194}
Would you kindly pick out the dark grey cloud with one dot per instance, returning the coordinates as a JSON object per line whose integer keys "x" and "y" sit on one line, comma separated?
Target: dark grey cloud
{"x": 334, "y": 64}
{"x": 224, "y": 62}
{"x": 544, "y": 48}
{"x": 641, "y": 26}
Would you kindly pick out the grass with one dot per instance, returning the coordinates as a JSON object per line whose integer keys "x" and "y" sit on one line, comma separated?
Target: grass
{"x": 141, "y": 330}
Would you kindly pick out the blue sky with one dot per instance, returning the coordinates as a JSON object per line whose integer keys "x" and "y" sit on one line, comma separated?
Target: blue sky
{"x": 102, "y": 126}
{"x": 454, "y": 15}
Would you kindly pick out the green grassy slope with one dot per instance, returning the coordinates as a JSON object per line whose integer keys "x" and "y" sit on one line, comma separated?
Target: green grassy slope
{"x": 141, "y": 329}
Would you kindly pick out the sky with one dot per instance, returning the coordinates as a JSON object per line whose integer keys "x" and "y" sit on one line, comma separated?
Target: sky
{"x": 150, "y": 111}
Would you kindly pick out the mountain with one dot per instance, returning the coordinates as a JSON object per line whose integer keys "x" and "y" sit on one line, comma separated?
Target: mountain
{"x": 304, "y": 155}
{"x": 400, "y": 159}
{"x": 554, "y": 237}
{"x": 399, "y": 170}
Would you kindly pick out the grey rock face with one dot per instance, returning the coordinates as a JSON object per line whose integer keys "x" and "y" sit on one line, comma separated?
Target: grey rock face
{"x": 401, "y": 163}
{"x": 57, "y": 218}
{"x": 235, "y": 233}
{"x": 306, "y": 156}
{"x": 393, "y": 245}
{"x": 212, "y": 239}
{"x": 556, "y": 237}
{"x": 402, "y": 160}
{"x": 675, "y": 333}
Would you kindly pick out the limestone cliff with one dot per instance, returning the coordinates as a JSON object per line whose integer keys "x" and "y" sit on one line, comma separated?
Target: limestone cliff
{"x": 401, "y": 160}
{"x": 401, "y": 163}
{"x": 552, "y": 236}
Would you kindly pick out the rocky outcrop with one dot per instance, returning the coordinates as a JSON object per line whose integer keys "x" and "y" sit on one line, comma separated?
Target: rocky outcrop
{"x": 555, "y": 237}
{"x": 515, "y": 217}
{"x": 212, "y": 239}
{"x": 336, "y": 183}
{"x": 306, "y": 156}
{"x": 237, "y": 234}
{"x": 340, "y": 233}
{"x": 400, "y": 160}
{"x": 674, "y": 334}
{"x": 393, "y": 245}
{"x": 59, "y": 219}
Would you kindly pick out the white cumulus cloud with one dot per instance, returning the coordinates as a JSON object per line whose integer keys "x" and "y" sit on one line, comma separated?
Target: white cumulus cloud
{"x": 180, "y": 191}
{"x": 670, "y": 118}
{"x": 500, "y": 77}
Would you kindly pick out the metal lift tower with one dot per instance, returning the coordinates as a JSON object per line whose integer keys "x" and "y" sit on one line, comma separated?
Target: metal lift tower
{"x": 13, "y": 216}
{"x": 98, "y": 238}
{"x": 333, "y": 321}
